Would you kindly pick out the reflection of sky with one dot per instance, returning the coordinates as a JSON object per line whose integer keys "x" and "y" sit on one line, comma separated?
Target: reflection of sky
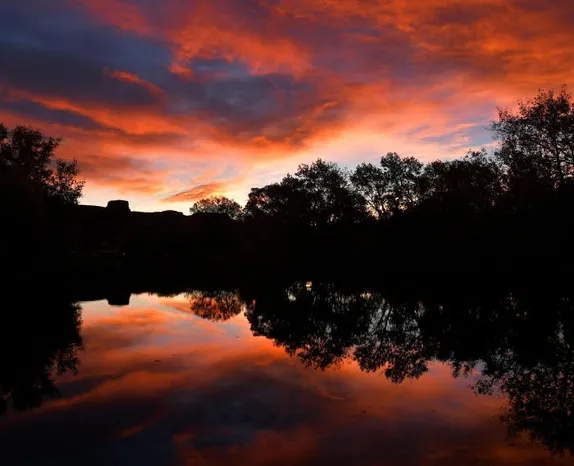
{"x": 158, "y": 385}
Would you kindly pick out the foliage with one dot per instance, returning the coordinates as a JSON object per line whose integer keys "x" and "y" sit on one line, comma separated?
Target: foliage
{"x": 28, "y": 156}
{"x": 537, "y": 141}
{"x": 390, "y": 188}
{"x": 316, "y": 195}
{"x": 473, "y": 183}
{"x": 218, "y": 205}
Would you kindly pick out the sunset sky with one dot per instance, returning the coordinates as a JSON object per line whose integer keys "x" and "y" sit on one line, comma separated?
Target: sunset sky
{"x": 164, "y": 102}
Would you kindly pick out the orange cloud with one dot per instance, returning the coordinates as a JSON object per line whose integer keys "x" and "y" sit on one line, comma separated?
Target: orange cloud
{"x": 132, "y": 78}
{"x": 132, "y": 121}
{"x": 208, "y": 29}
{"x": 135, "y": 317}
{"x": 200, "y": 191}
{"x": 120, "y": 13}
{"x": 262, "y": 86}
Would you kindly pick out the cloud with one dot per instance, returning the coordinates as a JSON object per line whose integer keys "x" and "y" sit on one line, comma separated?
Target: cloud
{"x": 58, "y": 75}
{"x": 132, "y": 78}
{"x": 247, "y": 83}
{"x": 101, "y": 166}
{"x": 196, "y": 193}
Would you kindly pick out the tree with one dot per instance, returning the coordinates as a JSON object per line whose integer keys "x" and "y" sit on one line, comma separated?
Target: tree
{"x": 284, "y": 201}
{"x": 316, "y": 195}
{"x": 371, "y": 183}
{"x": 473, "y": 183}
{"x": 537, "y": 141}
{"x": 218, "y": 205}
{"x": 329, "y": 194}
{"x": 28, "y": 156}
{"x": 390, "y": 188}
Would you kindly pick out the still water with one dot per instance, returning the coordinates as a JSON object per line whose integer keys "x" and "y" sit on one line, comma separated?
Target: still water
{"x": 184, "y": 380}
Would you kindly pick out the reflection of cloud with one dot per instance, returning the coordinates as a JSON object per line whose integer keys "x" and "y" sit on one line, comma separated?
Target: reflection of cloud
{"x": 134, "y": 318}
{"x": 161, "y": 396}
{"x": 245, "y": 82}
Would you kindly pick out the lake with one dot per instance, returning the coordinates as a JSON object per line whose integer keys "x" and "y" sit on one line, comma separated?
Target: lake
{"x": 212, "y": 378}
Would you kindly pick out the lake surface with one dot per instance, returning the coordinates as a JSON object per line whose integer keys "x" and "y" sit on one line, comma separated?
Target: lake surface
{"x": 183, "y": 380}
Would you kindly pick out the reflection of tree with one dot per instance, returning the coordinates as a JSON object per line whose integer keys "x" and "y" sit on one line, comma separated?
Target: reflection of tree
{"x": 323, "y": 326}
{"x": 219, "y": 305}
{"x": 520, "y": 341}
{"x": 523, "y": 342}
{"x": 537, "y": 378}
{"x": 540, "y": 401}
{"x": 394, "y": 341}
{"x": 42, "y": 337}
{"x": 542, "y": 404}
{"x": 313, "y": 321}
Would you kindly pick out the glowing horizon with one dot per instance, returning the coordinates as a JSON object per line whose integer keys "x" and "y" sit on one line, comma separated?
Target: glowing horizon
{"x": 166, "y": 102}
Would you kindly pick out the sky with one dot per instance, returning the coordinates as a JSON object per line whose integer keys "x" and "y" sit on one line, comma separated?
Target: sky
{"x": 164, "y": 102}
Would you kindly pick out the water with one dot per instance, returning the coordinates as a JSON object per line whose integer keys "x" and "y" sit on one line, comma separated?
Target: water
{"x": 183, "y": 380}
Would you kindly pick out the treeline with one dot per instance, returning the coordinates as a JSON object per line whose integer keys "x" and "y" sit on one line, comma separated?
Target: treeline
{"x": 511, "y": 208}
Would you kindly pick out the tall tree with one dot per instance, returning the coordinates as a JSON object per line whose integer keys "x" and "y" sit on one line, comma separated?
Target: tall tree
{"x": 537, "y": 140}
{"x": 390, "y": 188}
{"x": 29, "y": 156}
{"x": 371, "y": 182}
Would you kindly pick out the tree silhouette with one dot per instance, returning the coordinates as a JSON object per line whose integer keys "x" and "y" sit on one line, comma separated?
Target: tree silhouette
{"x": 284, "y": 202}
{"x": 391, "y": 188}
{"x": 329, "y": 194}
{"x": 218, "y": 205}
{"x": 472, "y": 184}
{"x": 537, "y": 141}
{"x": 34, "y": 189}
{"x": 28, "y": 155}
{"x": 317, "y": 195}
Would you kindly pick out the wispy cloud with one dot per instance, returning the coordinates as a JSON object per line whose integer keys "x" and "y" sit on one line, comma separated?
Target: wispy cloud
{"x": 197, "y": 192}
